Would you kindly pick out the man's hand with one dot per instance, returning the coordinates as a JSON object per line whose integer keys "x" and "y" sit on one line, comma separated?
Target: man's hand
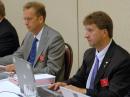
{"x": 56, "y": 86}
{"x": 10, "y": 68}
{"x": 74, "y": 88}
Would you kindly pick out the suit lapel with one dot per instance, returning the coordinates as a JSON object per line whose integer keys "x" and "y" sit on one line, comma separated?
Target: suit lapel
{"x": 42, "y": 44}
{"x": 90, "y": 62}
{"x": 106, "y": 61}
{"x": 28, "y": 46}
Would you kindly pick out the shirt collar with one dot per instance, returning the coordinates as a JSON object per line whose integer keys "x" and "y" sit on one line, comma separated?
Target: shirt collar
{"x": 38, "y": 36}
{"x": 103, "y": 52}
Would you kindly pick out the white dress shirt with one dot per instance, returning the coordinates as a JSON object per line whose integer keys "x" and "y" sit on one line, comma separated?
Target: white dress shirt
{"x": 38, "y": 36}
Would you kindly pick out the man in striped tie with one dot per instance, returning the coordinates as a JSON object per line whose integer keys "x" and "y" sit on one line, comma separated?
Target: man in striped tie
{"x": 106, "y": 66}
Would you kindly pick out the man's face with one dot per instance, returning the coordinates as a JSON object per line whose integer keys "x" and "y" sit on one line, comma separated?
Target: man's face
{"x": 32, "y": 21}
{"x": 94, "y": 35}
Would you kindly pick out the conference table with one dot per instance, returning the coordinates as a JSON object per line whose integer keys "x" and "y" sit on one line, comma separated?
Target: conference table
{"x": 9, "y": 89}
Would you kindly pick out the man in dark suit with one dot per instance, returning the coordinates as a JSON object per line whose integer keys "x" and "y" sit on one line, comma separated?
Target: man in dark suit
{"x": 9, "y": 41}
{"x": 106, "y": 66}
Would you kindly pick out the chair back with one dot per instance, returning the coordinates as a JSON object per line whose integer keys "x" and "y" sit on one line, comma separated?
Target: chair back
{"x": 68, "y": 60}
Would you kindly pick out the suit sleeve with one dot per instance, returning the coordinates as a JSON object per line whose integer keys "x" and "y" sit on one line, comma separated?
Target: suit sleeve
{"x": 9, "y": 59}
{"x": 9, "y": 41}
{"x": 79, "y": 79}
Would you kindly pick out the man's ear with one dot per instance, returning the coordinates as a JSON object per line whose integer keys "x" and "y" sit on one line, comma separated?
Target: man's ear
{"x": 105, "y": 32}
{"x": 41, "y": 19}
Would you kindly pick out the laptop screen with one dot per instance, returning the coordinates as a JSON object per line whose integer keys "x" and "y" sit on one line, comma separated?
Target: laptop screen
{"x": 24, "y": 72}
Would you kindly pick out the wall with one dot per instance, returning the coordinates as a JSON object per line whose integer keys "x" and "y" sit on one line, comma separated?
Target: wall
{"x": 66, "y": 16}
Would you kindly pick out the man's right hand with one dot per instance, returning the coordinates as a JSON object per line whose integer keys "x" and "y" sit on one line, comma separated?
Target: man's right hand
{"x": 56, "y": 86}
{"x": 10, "y": 68}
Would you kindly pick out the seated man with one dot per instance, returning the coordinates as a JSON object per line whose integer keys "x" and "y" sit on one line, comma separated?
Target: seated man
{"x": 9, "y": 41}
{"x": 106, "y": 66}
{"x": 43, "y": 47}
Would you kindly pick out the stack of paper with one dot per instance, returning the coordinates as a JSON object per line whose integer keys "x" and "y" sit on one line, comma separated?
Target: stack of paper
{"x": 44, "y": 79}
{"x": 41, "y": 79}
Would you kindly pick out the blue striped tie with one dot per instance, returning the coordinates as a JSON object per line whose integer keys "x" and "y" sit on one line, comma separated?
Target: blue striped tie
{"x": 33, "y": 51}
{"x": 94, "y": 72}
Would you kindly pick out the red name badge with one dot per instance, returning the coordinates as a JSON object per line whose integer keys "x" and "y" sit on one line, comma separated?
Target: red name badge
{"x": 41, "y": 58}
{"x": 104, "y": 82}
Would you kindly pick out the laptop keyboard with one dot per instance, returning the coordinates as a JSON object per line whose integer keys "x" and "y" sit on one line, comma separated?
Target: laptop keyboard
{"x": 45, "y": 92}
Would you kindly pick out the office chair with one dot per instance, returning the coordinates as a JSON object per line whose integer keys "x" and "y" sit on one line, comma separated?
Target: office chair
{"x": 68, "y": 60}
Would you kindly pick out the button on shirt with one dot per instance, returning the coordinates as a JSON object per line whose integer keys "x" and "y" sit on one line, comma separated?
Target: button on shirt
{"x": 100, "y": 56}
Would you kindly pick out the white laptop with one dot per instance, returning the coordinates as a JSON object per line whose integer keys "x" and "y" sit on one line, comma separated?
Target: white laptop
{"x": 24, "y": 72}
{"x": 70, "y": 93}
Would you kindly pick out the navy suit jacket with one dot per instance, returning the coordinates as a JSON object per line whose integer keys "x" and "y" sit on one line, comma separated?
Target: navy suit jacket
{"x": 9, "y": 41}
{"x": 115, "y": 68}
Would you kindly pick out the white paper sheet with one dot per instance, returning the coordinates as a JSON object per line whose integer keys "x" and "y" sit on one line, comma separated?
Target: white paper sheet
{"x": 8, "y": 87}
{"x": 43, "y": 76}
{"x": 40, "y": 76}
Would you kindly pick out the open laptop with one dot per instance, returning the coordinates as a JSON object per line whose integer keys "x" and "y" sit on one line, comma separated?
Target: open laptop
{"x": 24, "y": 72}
{"x": 25, "y": 76}
{"x": 45, "y": 92}
{"x": 70, "y": 93}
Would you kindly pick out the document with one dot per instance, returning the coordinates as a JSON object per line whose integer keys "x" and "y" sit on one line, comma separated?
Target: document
{"x": 8, "y": 89}
{"x": 40, "y": 79}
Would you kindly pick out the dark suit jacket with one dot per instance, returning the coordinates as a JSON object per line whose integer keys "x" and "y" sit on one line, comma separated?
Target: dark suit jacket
{"x": 9, "y": 41}
{"x": 128, "y": 95}
{"x": 115, "y": 67}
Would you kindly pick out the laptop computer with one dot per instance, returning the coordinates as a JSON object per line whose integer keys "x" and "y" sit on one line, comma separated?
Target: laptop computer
{"x": 45, "y": 92}
{"x": 70, "y": 93}
{"x": 25, "y": 76}
{"x": 24, "y": 72}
